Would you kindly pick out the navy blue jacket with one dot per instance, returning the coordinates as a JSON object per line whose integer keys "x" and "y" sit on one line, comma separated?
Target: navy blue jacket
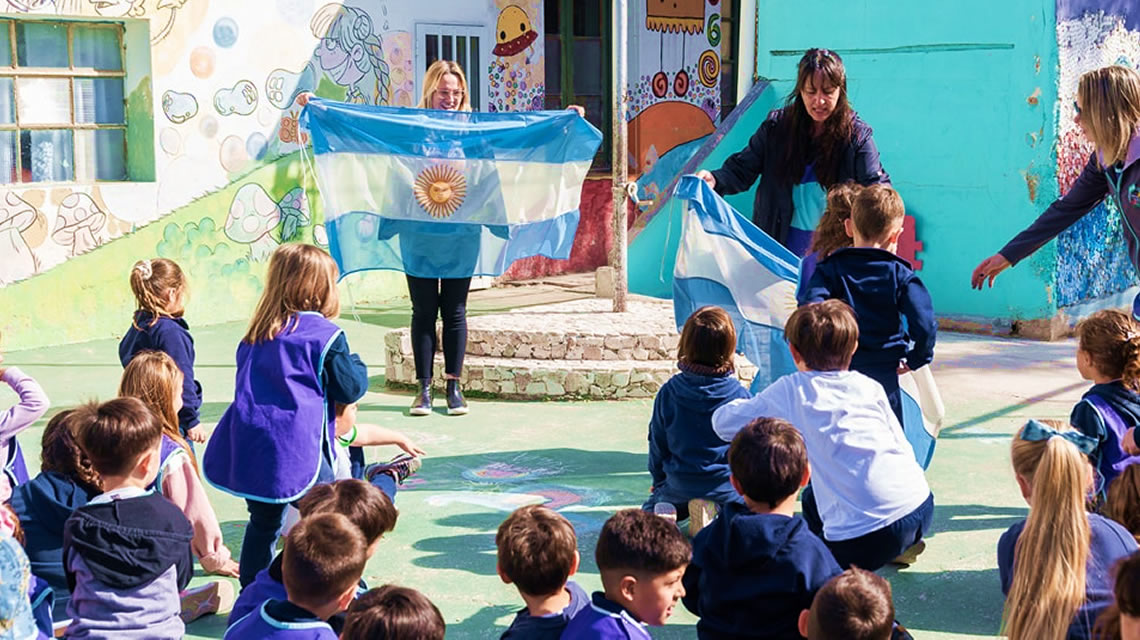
{"x": 1122, "y": 184}
{"x": 1110, "y": 542}
{"x": 345, "y": 377}
{"x": 772, "y": 210}
{"x": 687, "y": 459}
{"x": 171, "y": 336}
{"x": 753, "y": 573}
{"x": 551, "y": 626}
{"x": 43, "y": 505}
{"x": 879, "y": 286}
{"x": 1110, "y": 457}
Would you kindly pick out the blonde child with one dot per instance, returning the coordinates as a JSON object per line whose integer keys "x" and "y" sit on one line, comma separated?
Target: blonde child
{"x": 687, "y": 459}
{"x": 830, "y": 234}
{"x": 1108, "y": 355}
{"x": 1054, "y": 565}
{"x": 160, "y": 297}
{"x": 32, "y": 406}
{"x": 154, "y": 378}
{"x": 1123, "y": 502}
{"x": 275, "y": 441}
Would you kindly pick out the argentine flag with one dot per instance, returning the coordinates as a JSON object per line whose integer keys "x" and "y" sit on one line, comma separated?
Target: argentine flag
{"x": 726, "y": 261}
{"x": 447, "y": 194}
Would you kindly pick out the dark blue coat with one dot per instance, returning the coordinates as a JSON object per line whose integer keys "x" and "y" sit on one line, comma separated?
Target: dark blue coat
{"x": 882, "y": 289}
{"x": 687, "y": 459}
{"x": 752, "y": 574}
{"x": 43, "y": 505}
{"x": 766, "y": 150}
{"x": 171, "y": 336}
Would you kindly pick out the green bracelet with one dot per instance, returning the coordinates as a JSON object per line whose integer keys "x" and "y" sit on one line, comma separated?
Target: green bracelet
{"x": 350, "y": 439}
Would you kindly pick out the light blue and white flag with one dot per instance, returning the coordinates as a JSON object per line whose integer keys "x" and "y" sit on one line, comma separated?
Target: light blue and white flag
{"x": 725, "y": 260}
{"x": 447, "y": 194}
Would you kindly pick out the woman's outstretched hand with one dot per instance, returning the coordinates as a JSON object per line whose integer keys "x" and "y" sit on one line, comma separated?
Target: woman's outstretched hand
{"x": 707, "y": 177}
{"x": 989, "y": 268}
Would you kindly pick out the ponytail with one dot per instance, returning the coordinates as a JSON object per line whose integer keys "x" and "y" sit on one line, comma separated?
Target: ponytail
{"x": 1051, "y": 554}
{"x": 151, "y": 281}
{"x": 1130, "y": 375}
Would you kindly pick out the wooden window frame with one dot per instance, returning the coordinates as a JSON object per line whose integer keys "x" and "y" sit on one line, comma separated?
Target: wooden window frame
{"x": 566, "y": 37}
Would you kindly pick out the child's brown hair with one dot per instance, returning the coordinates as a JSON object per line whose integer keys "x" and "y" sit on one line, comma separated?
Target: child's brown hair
{"x": 639, "y": 542}
{"x": 1111, "y": 338}
{"x": 324, "y": 557}
{"x": 363, "y": 504}
{"x": 152, "y": 282}
{"x": 854, "y": 605}
{"x": 154, "y": 378}
{"x": 301, "y": 277}
{"x": 60, "y": 452}
{"x": 1123, "y": 502}
{"x": 116, "y": 434}
{"x": 1126, "y": 599}
{"x": 877, "y": 211}
{"x": 768, "y": 459}
{"x": 537, "y": 548}
{"x": 708, "y": 339}
{"x": 830, "y": 234}
{"x": 825, "y": 334}
{"x": 393, "y": 613}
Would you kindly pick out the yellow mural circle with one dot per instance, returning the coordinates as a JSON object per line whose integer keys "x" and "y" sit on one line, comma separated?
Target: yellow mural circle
{"x": 709, "y": 68}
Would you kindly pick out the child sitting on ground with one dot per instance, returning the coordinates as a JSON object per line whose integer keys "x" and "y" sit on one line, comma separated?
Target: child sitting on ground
{"x": 323, "y": 560}
{"x": 538, "y": 552}
{"x": 686, "y": 457}
{"x": 1121, "y": 620}
{"x": 364, "y": 505}
{"x": 66, "y": 482}
{"x": 386, "y": 476}
{"x": 757, "y": 565}
{"x": 868, "y": 499}
{"x": 393, "y": 613}
{"x": 32, "y": 406}
{"x": 127, "y": 551}
{"x": 161, "y": 291}
{"x": 1108, "y": 354}
{"x": 882, "y": 290}
{"x": 854, "y": 605}
{"x": 641, "y": 558}
{"x": 154, "y": 378}
{"x": 1054, "y": 565}
{"x": 1123, "y": 503}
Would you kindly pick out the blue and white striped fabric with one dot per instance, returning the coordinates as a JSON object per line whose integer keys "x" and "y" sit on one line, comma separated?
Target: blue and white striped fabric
{"x": 724, "y": 260}
{"x": 447, "y": 194}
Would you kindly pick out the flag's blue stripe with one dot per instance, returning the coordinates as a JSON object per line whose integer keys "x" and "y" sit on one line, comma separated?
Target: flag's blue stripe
{"x": 361, "y": 241}
{"x": 914, "y": 428}
{"x": 533, "y": 136}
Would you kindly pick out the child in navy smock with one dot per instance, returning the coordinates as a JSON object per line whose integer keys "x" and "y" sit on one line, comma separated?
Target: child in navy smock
{"x": 160, "y": 294}
{"x": 882, "y": 289}
{"x": 276, "y": 440}
{"x": 323, "y": 560}
{"x": 1039, "y": 567}
{"x": 1109, "y": 356}
{"x": 686, "y": 457}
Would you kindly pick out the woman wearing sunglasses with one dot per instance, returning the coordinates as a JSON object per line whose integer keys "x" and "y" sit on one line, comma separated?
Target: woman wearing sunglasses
{"x": 1108, "y": 113}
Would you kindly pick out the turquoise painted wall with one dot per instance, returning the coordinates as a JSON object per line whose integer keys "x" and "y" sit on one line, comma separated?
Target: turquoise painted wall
{"x": 947, "y": 88}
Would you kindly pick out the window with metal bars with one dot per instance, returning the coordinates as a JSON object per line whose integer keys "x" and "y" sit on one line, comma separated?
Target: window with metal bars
{"x": 460, "y": 44}
{"x": 62, "y": 102}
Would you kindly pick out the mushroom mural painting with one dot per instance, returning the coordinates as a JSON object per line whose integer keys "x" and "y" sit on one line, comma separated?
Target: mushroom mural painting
{"x": 16, "y": 217}
{"x": 517, "y": 81}
{"x": 253, "y": 218}
{"x": 79, "y": 223}
{"x": 514, "y": 34}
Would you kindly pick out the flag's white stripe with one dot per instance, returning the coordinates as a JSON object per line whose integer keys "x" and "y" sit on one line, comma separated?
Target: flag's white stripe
{"x": 498, "y": 192}
{"x": 761, "y": 296}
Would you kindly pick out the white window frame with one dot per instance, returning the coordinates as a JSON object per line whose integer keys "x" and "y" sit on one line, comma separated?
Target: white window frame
{"x": 71, "y": 73}
{"x": 453, "y": 31}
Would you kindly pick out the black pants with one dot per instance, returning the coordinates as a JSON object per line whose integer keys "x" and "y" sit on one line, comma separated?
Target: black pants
{"x": 432, "y": 298}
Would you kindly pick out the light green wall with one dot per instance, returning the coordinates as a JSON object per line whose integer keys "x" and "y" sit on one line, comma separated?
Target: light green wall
{"x": 946, "y": 87}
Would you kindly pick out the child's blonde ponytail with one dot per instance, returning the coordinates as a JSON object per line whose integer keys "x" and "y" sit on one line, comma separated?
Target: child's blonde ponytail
{"x": 1048, "y": 583}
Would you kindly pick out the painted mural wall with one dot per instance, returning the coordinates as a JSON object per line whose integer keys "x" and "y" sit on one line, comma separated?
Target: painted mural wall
{"x": 1091, "y": 259}
{"x": 212, "y": 88}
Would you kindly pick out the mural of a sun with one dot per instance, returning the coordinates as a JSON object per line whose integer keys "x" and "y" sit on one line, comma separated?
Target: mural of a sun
{"x": 440, "y": 190}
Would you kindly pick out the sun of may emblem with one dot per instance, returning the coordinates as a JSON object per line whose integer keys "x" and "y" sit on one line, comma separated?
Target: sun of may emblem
{"x": 440, "y": 190}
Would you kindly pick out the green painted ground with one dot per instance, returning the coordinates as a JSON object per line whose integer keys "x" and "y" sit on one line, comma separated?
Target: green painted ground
{"x": 588, "y": 459}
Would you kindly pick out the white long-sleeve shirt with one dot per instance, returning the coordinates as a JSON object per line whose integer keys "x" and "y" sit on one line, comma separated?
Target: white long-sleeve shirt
{"x": 864, "y": 474}
{"x": 32, "y": 406}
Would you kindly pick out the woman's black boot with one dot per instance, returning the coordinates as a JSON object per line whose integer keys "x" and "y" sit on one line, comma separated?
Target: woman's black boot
{"x": 422, "y": 404}
{"x": 456, "y": 405}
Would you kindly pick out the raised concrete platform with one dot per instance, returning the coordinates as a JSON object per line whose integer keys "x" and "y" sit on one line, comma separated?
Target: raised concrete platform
{"x": 568, "y": 350}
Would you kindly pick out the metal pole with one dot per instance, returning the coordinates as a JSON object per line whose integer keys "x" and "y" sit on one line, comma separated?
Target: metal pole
{"x": 618, "y": 253}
